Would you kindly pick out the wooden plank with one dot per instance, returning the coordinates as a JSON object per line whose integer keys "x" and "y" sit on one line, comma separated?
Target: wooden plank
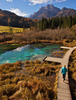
{"x": 53, "y": 59}
{"x": 63, "y": 47}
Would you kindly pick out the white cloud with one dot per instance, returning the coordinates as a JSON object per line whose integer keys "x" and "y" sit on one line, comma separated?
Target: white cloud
{"x": 34, "y": 2}
{"x": 9, "y": 0}
{"x": 60, "y": 0}
{"x": 18, "y": 12}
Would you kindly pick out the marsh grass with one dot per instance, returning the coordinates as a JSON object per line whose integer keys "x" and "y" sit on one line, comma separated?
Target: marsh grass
{"x": 59, "y": 54}
{"x": 33, "y": 36}
{"x": 72, "y": 70}
{"x": 34, "y": 81}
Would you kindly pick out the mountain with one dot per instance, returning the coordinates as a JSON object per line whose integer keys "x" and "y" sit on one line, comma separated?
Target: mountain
{"x": 66, "y": 12}
{"x": 52, "y": 11}
{"x": 48, "y": 11}
{"x": 11, "y": 19}
{"x": 6, "y": 13}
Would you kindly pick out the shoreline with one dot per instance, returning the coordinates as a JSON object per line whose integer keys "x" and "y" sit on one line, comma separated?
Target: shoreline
{"x": 32, "y": 42}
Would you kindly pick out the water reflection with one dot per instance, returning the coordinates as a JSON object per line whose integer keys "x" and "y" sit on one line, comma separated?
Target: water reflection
{"x": 28, "y": 52}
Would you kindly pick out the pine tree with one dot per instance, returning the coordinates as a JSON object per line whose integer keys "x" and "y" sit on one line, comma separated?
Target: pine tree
{"x": 60, "y": 22}
{"x": 69, "y": 21}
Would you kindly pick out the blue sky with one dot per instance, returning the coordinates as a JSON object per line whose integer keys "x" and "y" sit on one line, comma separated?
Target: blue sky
{"x": 27, "y": 7}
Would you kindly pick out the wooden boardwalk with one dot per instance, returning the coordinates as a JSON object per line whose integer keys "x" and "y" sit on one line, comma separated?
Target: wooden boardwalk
{"x": 63, "y": 90}
{"x": 53, "y": 59}
{"x": 62, "y": 47}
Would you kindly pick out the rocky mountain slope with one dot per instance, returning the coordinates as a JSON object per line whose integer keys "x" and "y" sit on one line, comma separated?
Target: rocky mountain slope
{"x": 52, "y": 11}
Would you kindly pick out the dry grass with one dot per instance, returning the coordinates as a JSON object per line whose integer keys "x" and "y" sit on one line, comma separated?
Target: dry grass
{"x": 33, "y": 36}
{"x": 72, "y": 74}
{"x": 49, "y": 34}
{"x": 72, "y": 70}
{"x": 7, "y": 29}
{"x": 34, "y": 81}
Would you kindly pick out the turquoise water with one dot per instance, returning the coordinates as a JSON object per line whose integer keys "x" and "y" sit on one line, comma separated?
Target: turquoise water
{"x": 28, "y": 52}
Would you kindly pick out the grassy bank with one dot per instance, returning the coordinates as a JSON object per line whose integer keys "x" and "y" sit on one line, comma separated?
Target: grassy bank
{"x": 7, "y": 29}
{"x": 72, "y": 74}
{"x": 28, "y": 35}
{"x": 8, "y": 47}
{"x": 28, "y": 81}
{"x": 33, "y": 36}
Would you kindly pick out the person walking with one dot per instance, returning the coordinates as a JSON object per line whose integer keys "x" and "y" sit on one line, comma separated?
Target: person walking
{"x": 63, "y": 71}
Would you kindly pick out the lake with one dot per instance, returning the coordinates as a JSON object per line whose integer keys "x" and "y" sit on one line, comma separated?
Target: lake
{"x": 27, "y": 52}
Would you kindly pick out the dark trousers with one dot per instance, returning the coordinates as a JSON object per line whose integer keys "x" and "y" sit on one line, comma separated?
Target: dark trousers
{"x": 64, "y": 76}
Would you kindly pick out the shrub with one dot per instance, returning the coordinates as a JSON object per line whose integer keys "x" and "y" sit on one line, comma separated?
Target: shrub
{"x": 37, "y": 62}
{"x": 9, "y": 89}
